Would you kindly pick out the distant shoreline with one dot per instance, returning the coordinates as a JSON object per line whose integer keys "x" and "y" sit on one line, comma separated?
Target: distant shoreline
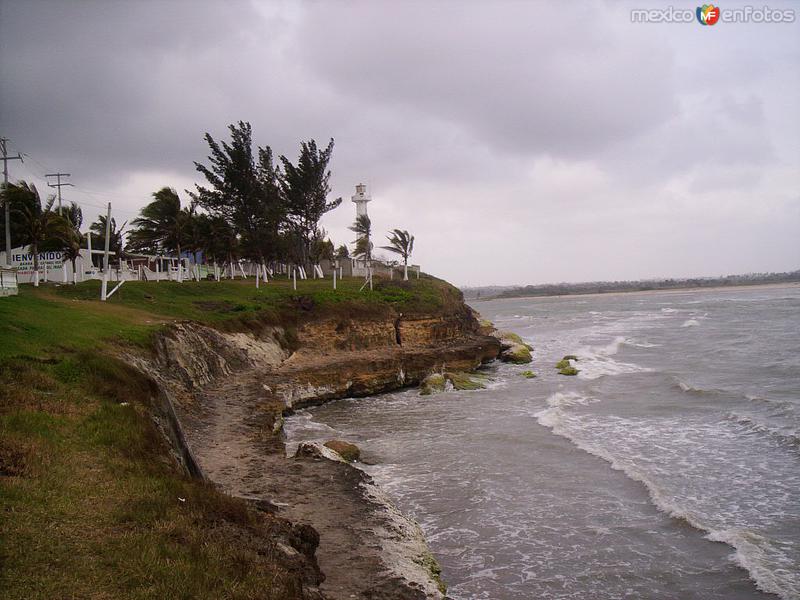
{"x": 655, "y": 291}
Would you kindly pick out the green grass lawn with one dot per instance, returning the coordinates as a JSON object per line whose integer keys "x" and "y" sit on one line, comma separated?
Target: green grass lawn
{"x": 213, "y": 301}
{"x": 46, "y": 320}
{"x": 92, "y": 505}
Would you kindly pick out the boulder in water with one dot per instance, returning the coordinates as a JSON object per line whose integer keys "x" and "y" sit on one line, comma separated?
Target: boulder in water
{"x": 433, "y": 384}
{"x": 349, "y": 452}
{"x": 509, "y": 338}
{"x": 519, "y": 354}
{"x": 451, "y": 380}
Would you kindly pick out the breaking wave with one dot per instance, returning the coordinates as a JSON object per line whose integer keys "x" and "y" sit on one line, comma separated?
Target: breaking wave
{"x": 752, "y": 424}
{"x": 753, "y": 552}
{"x": 596, "y": 361}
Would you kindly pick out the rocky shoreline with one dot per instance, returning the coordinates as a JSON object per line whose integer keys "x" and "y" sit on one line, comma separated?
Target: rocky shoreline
{"x": 224, "y": 395}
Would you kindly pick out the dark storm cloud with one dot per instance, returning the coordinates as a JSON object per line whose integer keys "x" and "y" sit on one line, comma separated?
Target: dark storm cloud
{"x": 506, "y": 72}
{"x": 119, "y": 85}
{"x": 478, "y": 125}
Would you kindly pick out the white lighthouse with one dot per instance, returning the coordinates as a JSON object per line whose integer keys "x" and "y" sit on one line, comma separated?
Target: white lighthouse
{"x": 361, "y": 198}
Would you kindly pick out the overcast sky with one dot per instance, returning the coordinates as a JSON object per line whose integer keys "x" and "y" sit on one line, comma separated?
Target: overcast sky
{"x": 521, "y": 142}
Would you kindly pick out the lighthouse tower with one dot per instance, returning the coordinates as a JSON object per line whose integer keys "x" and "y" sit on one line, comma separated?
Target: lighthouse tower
{"x": 361, "y": 198}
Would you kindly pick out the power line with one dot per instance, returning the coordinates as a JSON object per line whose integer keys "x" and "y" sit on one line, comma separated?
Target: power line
{"x": 41, "y": 166}
{"x": 58, "y": 185}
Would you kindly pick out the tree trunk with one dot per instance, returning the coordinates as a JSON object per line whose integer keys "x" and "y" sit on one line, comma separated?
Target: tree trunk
{"x": 74, "y": 274}
{"x": 180, "y": 266}
{"x": 35, "y": 250}
{"x": 405, "y": 268}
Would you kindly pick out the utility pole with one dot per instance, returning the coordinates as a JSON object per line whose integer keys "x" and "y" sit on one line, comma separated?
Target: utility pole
{"x": 104, "y": 286}
{"x": 6, "y": 202}
{"x": 58, "y": 185}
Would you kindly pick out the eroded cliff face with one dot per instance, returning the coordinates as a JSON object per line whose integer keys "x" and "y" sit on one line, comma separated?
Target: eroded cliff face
{"x": 342, "y": 357}
{"x": 196, "y": 354}
{"x": 229, "y": 391}
{"x": 333, "y": 358}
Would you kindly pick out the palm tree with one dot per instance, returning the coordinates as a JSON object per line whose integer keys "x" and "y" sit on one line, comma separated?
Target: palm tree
{"x": 363, "y": 228}
{"x": 163, "y": 225}
{"x": 401, "y": 242}
{"x": 38, "y": 223}
{"x": 98, "y": 230}
{"x": 69, "y": 235}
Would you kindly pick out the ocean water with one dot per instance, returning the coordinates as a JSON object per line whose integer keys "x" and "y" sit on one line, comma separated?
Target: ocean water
{"x": 669, "y": 468}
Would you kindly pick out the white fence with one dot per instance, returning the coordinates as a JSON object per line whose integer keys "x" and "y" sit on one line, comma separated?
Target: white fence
{"x": 139, "y": 267}
{"x": 8, "y": 282}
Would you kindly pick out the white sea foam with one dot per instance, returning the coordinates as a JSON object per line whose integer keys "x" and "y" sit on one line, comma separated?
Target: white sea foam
{"x": 758, "y": 556}
{"x": 768, "y": 565}
{"x": 752, "y": 424}
{"x": 691, "y": 389}
{"x": 641, "y": 344}
{"x": 302, "y": 427}
{"x": 596, "y": 361}
{"x": 691, "y": 323}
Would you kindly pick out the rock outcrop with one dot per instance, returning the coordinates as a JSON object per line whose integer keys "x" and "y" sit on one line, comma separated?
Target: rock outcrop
{"x": 513, "y": 348}
{"x": 451, "y": 380}
{"x": 349, "y": 452}
{"x": 229, "y": 392}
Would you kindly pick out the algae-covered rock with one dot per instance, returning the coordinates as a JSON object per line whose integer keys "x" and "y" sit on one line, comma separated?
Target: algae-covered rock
{"x": 563, "y": 364}
{"x": 465, "y": 381}
{"x": 349, "y": 452}
{"x": 433, "y": 384}
{"x": 565, "y": 367}
{"x": 518, "y": 354}
{"x": 528, "y": 374}
{"x": 430, "y": 564}
{"x": 451, "y": 380}
{"x": 485, "y": 327}
{"x": 509, "y": 338}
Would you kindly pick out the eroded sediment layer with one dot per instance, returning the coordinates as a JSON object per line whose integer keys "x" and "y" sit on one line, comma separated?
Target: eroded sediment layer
{"x": 229, "y": 392}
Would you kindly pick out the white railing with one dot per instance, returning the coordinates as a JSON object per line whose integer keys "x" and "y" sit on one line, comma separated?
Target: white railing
{"x": 9, "y": 286}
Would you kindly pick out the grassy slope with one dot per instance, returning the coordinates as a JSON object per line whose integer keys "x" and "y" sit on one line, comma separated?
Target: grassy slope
{"x": 92, "y": 507}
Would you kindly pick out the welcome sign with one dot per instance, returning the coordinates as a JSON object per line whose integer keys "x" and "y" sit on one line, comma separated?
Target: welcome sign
{"x": 21, "y": 259}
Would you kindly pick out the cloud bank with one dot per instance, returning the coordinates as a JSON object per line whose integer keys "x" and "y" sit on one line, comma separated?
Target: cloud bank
{"x": 518, "y": 145}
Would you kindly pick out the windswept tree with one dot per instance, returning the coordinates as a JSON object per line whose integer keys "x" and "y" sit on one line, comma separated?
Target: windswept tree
{"x": 363, "y": 242}
{"x": 162, "y": 226}
{"x": 401, "y": 242}
{"x": 69, "y": 235}
{"x": 244, "y": 190}
{"x": 217, "y": 238}
{"x": 16, "y": 199}
{"x": 305, "y": 192}
{"x": 116, "y": 243}
{"x": 321, "y": 247}
{"x": 194, "y": 232}
{"x": 37, "y": 222}
{"x": 342, "y": 252}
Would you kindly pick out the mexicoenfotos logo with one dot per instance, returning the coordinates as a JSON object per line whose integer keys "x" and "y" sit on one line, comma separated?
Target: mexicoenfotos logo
{"x": 708, "y": 14}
